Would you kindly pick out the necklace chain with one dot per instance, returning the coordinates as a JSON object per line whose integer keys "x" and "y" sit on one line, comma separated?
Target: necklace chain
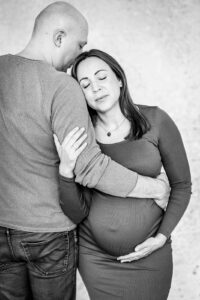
{"x": 109, "y": 132}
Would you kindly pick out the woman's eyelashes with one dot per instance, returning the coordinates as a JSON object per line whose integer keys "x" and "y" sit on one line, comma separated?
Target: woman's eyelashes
{"x": 86, "y": 85}
{"x": 102, "y": 77}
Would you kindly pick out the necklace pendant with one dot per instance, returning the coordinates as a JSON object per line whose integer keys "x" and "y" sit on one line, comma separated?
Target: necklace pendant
{"x": 108, "y": 133}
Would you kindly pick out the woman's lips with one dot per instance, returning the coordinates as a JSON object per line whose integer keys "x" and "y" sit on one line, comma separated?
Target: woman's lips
{"x": 100, "y": 98}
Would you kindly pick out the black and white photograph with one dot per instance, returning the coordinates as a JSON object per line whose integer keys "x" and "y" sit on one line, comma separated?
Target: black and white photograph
{"x": 99, "y": 150}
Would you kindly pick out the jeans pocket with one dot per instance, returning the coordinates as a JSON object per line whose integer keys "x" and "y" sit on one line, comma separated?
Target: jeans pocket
{"x": 49, "y": 256}
{"x": 4, "y": 267}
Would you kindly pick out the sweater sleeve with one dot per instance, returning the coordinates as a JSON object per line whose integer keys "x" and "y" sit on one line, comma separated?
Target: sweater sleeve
{"x": 175, "y": 163}
{"x": 73, "y": 200}
{"x": 93, "y": 169}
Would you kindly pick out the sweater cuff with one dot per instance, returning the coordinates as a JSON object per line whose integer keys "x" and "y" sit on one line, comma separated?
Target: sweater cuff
{"x": 66, "y": 179}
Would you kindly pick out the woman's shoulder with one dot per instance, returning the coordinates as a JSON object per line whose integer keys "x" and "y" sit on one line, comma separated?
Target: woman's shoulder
{"x": 150, "y": 110}
{"x": 154, "y": 114}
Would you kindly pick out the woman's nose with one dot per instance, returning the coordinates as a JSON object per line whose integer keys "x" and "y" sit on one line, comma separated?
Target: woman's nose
{"x": 95, "y": 86}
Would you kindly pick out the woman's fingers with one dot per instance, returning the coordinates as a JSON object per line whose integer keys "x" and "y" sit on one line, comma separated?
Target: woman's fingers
{"x": 133, "y": 256}
{"x": 144, "y": 249}
{"x": 73, "y": 137}
{"x": 80, "y": 149}
{"x": 79, "y": 141}
{"x": 69, "y": 136}
{"x": 73, "y": 144}
{"x": 58, "y": 146}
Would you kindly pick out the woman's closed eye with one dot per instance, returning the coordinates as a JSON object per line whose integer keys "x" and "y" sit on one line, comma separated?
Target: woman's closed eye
{"x": 85, "y": 84}
{"x": 102, "y": 77}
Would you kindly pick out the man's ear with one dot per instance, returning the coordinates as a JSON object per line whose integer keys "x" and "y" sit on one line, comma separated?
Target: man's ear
{"x": 58, "y": 37}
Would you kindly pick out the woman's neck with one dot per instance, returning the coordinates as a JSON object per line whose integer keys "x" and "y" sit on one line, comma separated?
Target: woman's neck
{"x": 110, "y": 119}
{"x": 111, "y": 127}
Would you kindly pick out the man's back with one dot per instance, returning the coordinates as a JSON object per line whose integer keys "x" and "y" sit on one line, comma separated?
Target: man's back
{"x": 28, "y": 159}
{"x": 35, "y": 102}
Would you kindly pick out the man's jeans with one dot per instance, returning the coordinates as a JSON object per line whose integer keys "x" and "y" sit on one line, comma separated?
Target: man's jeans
{"x": 39, "y": 266}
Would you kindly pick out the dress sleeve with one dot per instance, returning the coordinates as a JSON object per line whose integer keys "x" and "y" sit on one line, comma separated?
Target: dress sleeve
{"x": 93, "y": 169}
{"x": 176, "y": 165}
{"x": 74, "y": 199}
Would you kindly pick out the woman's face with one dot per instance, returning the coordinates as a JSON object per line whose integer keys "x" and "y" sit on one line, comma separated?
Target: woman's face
{"x": 99, "y": 83}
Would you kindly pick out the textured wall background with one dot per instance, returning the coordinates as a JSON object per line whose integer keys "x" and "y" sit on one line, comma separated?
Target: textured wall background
{"x": 158, "y": 44}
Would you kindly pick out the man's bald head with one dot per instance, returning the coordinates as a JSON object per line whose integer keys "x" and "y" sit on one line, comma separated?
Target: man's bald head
{"x": 57, "y": 15}
{"x": 60, "y": 32}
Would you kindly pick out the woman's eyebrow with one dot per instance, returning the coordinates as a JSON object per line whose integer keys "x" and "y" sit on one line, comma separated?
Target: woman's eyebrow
{"x": 99, "y": 71}
{"x": 83, "y": 79}
{"x": 94, "y": 74}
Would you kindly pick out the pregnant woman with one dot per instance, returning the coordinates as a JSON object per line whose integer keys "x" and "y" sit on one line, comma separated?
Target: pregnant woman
{"x": 136, "y": 231}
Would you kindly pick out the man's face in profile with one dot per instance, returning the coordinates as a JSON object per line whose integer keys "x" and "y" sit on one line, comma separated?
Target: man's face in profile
{"x": 71, "y": 46}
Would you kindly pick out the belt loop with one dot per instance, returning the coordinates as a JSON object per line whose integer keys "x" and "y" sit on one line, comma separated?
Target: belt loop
{"x": 9, "y": 241}
{"x": 75, "y": 235}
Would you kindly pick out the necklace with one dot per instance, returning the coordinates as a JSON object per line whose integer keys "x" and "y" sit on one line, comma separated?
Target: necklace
{"x": 109, "y": 132}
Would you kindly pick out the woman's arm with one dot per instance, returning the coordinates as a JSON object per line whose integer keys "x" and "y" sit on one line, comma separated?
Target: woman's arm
{"x": 73, "y": 200}
{"x": 146, "y": 187}
{"x": 176, "y": 165}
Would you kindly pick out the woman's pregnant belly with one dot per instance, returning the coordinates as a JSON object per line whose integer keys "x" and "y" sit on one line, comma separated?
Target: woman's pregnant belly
{"x": 118, "y": 225}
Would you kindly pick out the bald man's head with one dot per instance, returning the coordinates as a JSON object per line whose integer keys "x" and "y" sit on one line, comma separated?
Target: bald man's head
{"x": 60, "y": 31}
{"x": 57, "y": 14}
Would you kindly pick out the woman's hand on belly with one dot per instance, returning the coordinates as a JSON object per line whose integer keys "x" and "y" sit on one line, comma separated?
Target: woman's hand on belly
{"x": 146, "y": 248}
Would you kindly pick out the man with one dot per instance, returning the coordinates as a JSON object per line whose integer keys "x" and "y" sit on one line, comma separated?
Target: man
{"x": 37, "y": 241}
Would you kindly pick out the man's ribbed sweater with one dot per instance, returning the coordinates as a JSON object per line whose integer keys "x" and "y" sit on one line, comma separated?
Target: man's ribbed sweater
{"x": 35, "y": 102}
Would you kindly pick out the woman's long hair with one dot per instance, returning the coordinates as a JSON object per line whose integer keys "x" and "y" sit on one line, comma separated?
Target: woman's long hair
{"x": 139, "y": 123}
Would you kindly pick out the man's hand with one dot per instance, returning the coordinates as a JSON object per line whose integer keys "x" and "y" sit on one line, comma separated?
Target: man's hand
{"x": 146, "y": 248}
{"x": 163, "y": 200}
